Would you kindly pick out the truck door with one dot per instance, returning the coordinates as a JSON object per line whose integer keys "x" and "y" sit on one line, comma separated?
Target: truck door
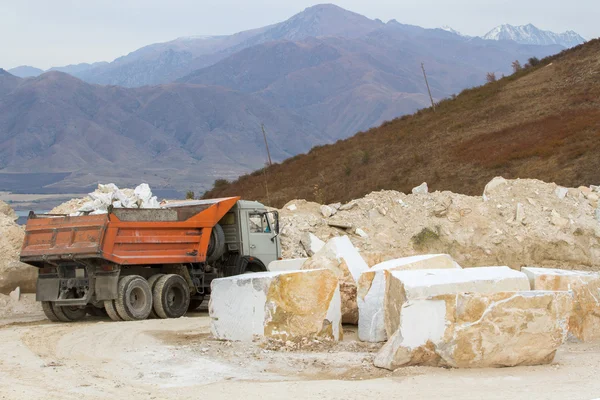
{"x": 263, "y": 241}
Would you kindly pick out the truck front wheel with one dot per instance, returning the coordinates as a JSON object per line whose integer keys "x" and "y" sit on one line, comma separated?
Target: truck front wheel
{"x": 171, "y": 296}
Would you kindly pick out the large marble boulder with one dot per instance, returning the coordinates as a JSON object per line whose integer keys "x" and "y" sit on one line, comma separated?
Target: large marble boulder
{"x": 341, "y": 257}
{"x": 371, "y": 291}
{"x": 402, "y": 286}
{"x": 476, "y": 330}
{"x": 584, "y": 323}
{"x": 288, "y": 306}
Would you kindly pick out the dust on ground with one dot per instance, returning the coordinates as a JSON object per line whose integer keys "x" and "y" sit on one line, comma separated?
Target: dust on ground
{"x": 162, "y": 359}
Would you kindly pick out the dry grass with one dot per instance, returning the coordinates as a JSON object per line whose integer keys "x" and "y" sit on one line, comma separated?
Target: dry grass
{"x": 542, "y": 122}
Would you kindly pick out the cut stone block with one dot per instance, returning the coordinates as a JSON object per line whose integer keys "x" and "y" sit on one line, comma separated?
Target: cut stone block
{"x": 341, "y": 257}
{"x": 292, "y": 264}
{"x": 469, "y": 330}
{"x": 371, "y": 291}
{"x": 288, "y": 306}
{"x": 402, "y": 286}
{"x": 584, "y": 323}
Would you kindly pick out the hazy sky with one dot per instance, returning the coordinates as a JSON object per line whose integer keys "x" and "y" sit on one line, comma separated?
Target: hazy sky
{"x": 46, "y": 33}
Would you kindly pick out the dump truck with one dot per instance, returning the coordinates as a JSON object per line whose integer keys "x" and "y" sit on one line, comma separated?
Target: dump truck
{"x": 135, "y": 263}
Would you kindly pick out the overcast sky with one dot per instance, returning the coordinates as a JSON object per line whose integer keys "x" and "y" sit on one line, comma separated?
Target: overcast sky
{"x": 45, "y": 33}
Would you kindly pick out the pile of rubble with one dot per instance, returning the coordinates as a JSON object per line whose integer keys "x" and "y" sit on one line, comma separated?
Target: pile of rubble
{"x": 108, "y": 195}
{"x": 13, "y": 273}
{"x": 515, "y": 223}
{"x": 427, "y": 309}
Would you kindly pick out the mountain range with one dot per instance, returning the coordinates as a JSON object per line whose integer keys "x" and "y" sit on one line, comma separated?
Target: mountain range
{"x": 183, "y": 113}
{"x": 529, "y": 34}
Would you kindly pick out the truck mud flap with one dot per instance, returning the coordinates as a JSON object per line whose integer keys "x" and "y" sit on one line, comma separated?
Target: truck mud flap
{"x": 47, "y": 289}
{"x": 106, "y": 285}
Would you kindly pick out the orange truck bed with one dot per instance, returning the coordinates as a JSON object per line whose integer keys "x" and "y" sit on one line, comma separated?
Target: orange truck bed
{"x": 179, "y": 233}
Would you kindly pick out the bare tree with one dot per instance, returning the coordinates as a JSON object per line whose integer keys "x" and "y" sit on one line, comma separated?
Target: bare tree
{"x": 516, "y": 66}
{"x": 490, "y": 77}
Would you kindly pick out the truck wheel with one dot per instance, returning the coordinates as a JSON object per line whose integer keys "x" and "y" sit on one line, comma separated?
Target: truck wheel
{"x": 49, "y": 311}
{"x": 195, "y": 303}
{"x": 216, "y": 246}
{"x": 109, "y": 306}
{"x": 171, "y": 296}
{"x": 134, "y": 301}
{"x": 152, "y": 282}
{"x": 69, "y": 313}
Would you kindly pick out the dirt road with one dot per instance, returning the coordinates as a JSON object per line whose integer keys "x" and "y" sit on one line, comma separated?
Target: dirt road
{"x": 164, "y": 359}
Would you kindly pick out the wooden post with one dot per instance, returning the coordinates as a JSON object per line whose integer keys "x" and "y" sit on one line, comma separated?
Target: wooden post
{"x": 427, "y": 83}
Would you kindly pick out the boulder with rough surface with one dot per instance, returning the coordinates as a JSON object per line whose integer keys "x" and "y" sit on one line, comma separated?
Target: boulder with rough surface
{"x": 403, "y": 286}
{"x": 584, "y": 323}
{"x": 287, "y": 306}
{"x": 478, "y": 330}
{"x": 371, "y": 291}
{"x": 341, "y": 257}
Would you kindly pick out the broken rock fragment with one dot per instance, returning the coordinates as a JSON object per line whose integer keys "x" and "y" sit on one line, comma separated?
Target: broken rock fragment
{"x": 584, "y": 323}
{"x": 402, "y": 286}
{"x": 477, "y": 330}
{"x": 341, "y": 257}
{"x": 287, "y": 306}
{"x": 311, "y": 243}
{"x": 371, "y": 291}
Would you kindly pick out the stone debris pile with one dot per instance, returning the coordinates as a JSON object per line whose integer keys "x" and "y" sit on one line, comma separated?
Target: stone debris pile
{"x": 13, "y": 273}
{"x": 515, "y": 223}
{"x": 110, "y": 195}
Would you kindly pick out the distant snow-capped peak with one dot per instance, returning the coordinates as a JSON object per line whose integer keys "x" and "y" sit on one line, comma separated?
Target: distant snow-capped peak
{"x": 529, "y": 34}
{"x": 451, "y": 30}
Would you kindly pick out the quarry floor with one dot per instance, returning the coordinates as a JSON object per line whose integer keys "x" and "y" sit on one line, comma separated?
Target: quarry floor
{"x": 163, "y": 359}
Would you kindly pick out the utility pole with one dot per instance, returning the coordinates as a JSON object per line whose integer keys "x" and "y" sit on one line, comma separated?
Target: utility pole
{"x": 266, "y": 144}
{"x": 427, "y": 83}
{"x": 262, "y": 126}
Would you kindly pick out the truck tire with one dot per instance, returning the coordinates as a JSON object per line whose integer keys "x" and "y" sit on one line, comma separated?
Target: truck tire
{"x": 69, "y": 313}
{"x": 171, "y": 296}
{"x": 152, "y": 282}
{"x": 195, "y": 303}
{"x": 49, "y": 311}
{"x": 134, "y": 298}
{"x": 216, "y": 246}
{"x": 109, "y": 306}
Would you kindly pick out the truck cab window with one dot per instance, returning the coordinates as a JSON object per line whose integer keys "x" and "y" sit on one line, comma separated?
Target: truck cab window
{"x": 255, "y": 224}
{"x": 259, "y": 223}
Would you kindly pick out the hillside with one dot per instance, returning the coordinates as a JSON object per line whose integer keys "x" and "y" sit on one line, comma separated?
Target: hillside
{"x": 542, "y": 122}
{"x": 177, "y": 136}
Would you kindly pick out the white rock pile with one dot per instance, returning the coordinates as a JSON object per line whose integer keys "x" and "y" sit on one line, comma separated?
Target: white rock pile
{"x": 110, "y": 194}
{"x": 515, "y": 222}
